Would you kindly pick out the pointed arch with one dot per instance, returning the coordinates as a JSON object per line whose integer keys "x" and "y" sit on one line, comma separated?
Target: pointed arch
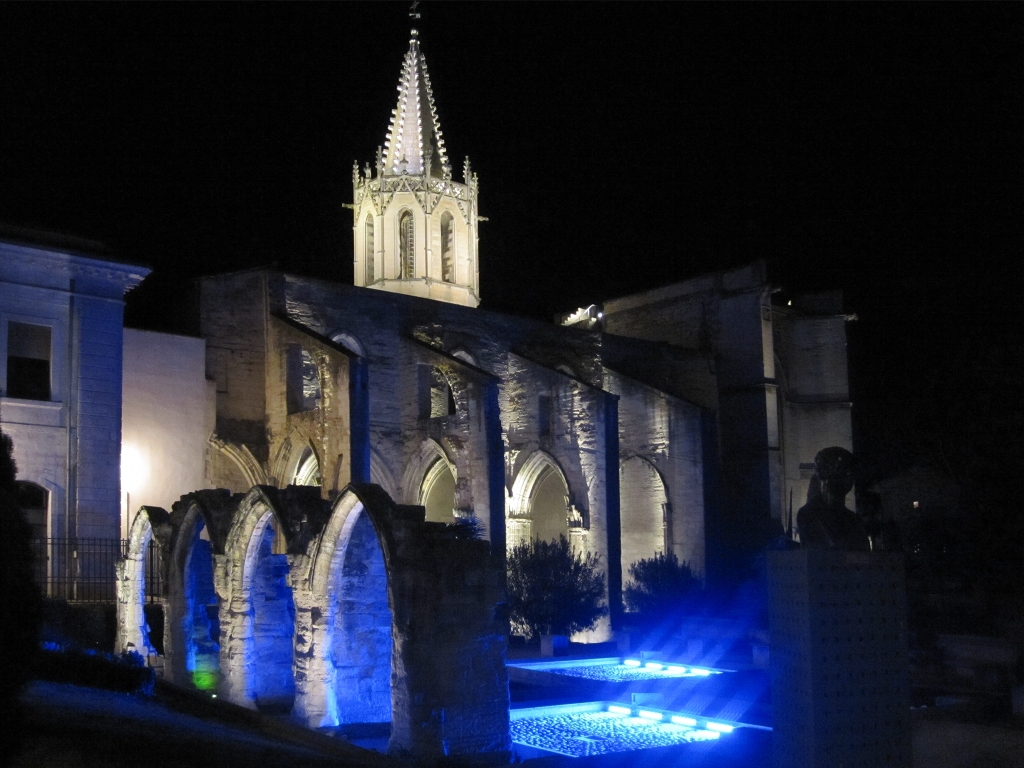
{"x": 369, "y": 252}
{"x": 348, "y": 341}
{"x": 437, "y": 492}
{"x": 258, "y": 626}
{"x": 447, "y": 247}
{"x": 406, "y": 245}
{"x": 192, "y": 625}
{"x": 347, "y": 675}
{"x": 644, "y": 511}
{"x": 419, "y": 465}
{"x": 133, "y": 630}
{"x": 541, "y": 506}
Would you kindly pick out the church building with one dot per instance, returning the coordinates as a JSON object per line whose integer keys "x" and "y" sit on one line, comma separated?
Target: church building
{"x": 683, "y": 419}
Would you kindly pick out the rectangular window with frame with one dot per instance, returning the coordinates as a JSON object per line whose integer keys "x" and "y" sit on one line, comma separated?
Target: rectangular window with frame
{"x": 28, "y": 361}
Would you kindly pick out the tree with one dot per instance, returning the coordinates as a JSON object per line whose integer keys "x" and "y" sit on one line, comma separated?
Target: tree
{"x": 20, "y": 605}
{"x": 554, "y": 590}
{"x": 660, "y": 585}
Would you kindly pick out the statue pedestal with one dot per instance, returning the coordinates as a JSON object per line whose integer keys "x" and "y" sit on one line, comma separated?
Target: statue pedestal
{"x": 838, "y": 665}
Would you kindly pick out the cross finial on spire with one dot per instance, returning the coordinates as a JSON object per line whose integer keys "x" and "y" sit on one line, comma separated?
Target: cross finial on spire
{"x": 414, "y": 15}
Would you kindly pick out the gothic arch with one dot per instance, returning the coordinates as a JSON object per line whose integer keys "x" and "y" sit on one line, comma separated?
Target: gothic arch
{"x": 133, "y": 630}
{"x": 418, "y": 467}
{"x": 644, "y": 511}
{"x": 348, "y": 341}
{"x": 464, "y": 356}
{"x": 242, "y": 460}
{"x": 448, "y": 247}
{"x": 406, "y": 250}
{"x": 534, "y": 509}
{"x": 346, "y": 677}
{"x": 258, "y": 626}
{"x": 297, "y": 460}
{"x": 369, "y": 250}
{"x": 437, "y": 492}
{"x": 192, "y": 623}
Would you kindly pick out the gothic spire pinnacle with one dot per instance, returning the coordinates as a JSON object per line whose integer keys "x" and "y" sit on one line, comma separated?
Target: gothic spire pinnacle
{"x": 414, "y": 145}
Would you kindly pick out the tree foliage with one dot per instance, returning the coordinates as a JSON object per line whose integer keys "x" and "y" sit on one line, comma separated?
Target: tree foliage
{"x": 554, "y": 590}
{"x": 20, "y": 605}
{"x": 660, "y": 585}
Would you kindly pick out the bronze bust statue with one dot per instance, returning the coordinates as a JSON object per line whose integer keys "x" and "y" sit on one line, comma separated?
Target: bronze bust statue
{"x": 824, "y": 521}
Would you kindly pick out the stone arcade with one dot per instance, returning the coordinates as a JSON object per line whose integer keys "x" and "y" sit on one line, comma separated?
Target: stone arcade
{"x": 352, "y": 611}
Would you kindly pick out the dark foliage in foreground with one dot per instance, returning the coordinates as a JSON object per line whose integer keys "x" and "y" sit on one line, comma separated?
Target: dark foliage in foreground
{"x": 552, "y": 589}
{"x": 125, "y": 673}
{"x": 661, "y": 585}
{"x": 20, "y": 604}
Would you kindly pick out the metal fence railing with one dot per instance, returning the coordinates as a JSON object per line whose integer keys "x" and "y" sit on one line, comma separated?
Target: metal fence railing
{"x": 82, "y": 570}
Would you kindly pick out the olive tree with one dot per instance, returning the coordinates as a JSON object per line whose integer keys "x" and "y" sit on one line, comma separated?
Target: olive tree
{"x": 554, "y": 590}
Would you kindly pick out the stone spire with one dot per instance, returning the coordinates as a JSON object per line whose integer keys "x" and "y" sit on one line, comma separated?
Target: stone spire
{"x": 414, "y": 146}
{"x": 415, "y": 226}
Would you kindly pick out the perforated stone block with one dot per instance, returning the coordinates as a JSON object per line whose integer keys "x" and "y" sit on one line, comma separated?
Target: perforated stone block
{"x": 838, "y": 662}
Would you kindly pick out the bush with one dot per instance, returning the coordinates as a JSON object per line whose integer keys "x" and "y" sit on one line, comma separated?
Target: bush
{"x": 125, "y": 672}
{"x": 554, "y": 590}
{"x": 660, "y": 586}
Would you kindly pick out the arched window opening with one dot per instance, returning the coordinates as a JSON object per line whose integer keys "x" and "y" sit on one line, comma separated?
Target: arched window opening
{"x": 464, "y": 356}
{"x": 436, "y": 399}
{"x": 307, "y": 471}
{"x": 202, "y": 619}
{"x": 360, "y": 625}
{"x": 368, "y": 249}
{"x": 303, "y": 380}
{"x": 438, "y": 492}
{"x": 273, "y": 619}
{"x": 447, "y": 248}
{"x": 407, "y": 245}
{"x": 549, "y": 506}
{"x": 644, "y": 511}
{"x": 349, "y": 342}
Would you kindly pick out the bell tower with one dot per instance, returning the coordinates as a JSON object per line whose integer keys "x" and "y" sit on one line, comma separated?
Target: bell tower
{"x": 415, "y": 229}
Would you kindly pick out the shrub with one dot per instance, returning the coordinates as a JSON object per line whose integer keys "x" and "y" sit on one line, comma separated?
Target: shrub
{"x": 661, "y": 585}
{"x": 554, "y": 590}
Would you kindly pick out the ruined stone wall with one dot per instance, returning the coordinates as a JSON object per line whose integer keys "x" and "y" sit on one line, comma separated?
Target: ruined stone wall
{"x": 810, "y": 342}
{"x": 325, "y": 428}
{"x": 233, "y": 320}
{"x": 356, "y": 611}
{"x": 661, "y": 455}
{"x": 450, "y": 684}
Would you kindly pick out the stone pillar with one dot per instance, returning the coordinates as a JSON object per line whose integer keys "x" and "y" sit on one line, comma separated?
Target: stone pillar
{"x": 838, "y": 661}
{"x": 236, "y": 630}
{"x": 132, "y": 630}
{"x": 315, "y": 703}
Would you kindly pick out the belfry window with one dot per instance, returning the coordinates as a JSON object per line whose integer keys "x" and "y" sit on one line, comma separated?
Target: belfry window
{"x": 28, "y": 361}
{"x": 448, "y": 248}
{"x": 407, "y": 245}
{"x": 368, "y": 249}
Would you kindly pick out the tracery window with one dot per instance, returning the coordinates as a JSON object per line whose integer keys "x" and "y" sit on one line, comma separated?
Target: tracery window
{"x": 407, "y": 245}
{"x": 447, "y": 248}
{"x": 368, "y": 249}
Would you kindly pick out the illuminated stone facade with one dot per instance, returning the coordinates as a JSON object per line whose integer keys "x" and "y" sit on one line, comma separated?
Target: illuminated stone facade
{"x": 355, "y": 611}
{"x": 61, "y": 310}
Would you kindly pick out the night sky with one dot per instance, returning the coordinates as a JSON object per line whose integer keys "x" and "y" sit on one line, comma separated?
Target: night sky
{"x": 875, "y": 148}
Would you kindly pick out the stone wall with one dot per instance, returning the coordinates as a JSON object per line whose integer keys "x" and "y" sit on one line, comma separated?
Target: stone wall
{"x": 351, "y": 611}
{"x": 70, "y": 442}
